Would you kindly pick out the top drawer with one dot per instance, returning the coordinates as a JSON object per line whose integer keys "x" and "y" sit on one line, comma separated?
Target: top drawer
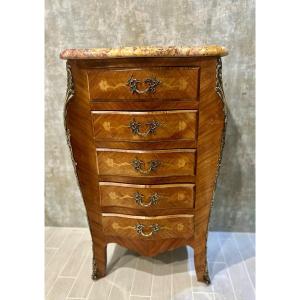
{"x": 138, "y": 84}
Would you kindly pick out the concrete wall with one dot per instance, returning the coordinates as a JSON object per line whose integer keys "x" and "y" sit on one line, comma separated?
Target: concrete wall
{"x": 94, "y": 23}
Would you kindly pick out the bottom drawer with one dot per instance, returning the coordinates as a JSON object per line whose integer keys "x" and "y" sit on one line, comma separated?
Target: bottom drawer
{"x": 153, "y": 228}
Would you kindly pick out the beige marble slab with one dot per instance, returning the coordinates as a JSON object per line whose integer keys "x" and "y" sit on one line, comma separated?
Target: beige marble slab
{"x": 171, "y": 51}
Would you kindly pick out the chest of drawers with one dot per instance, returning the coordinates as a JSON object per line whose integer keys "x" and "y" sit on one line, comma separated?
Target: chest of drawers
{"x": 146, "y": 127}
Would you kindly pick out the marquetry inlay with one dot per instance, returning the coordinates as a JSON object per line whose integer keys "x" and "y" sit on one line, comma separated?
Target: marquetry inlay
{"x": 146, "y": 136}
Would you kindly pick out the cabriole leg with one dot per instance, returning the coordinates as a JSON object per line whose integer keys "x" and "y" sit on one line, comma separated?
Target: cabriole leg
{"x": 99, "y": 262}
{"x": 201, "y": 266}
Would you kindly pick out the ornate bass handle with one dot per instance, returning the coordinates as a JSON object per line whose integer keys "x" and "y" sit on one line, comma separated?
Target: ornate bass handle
{"x": 139, "y": 165}
{"x": 152, "y": 84}
{"x": 139, "y": 228}
{"x": 138, "y": 197}
{"x": 135, "y": 127}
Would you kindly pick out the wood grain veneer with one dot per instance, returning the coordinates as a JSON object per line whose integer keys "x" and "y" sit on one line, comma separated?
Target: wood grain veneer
{"x": 174, "y": 162}
{"x": 189, "y": 156}
{"x": 139, "y": 196}
{"x": 173, "y": 83}
{"x": 175, "y": 226}
{"x": 171, "y": 125}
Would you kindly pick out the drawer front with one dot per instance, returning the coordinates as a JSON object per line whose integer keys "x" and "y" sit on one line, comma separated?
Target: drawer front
{"x": 158, "y": 163}
{"x": 153, "y": 228}
{"x": 151, "y": 83}
{"x": 147, "y": 196}
{"x": 145, "y": 126}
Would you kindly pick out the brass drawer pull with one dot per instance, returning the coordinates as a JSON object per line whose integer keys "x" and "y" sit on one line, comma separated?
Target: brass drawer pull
{"x": 139, "y": 228}
{"x": 139, "y": 165}
{"x": 135, "y": 127}
{"x": 152, "y": 84}
{"x": 140, "y": 197}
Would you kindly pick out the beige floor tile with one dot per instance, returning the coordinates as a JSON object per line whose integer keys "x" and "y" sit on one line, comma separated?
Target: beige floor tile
{"x": 49, "y": 231}
{"x": 162, "y": 277}
{"x": 57, "y": 263}
{"x": 237, "y": 271}
{"x": 124, "y": 277}
{"x": 250, "y": 265}
{"x": 203, "y": 296}
{"x": 75, "y": 261}
{"x": 49, "y": 254}
{"x": 83, "y": 282}
{"x": 247, "y": 250}
{"x": 114, "y": 254}
{"x": 142, "y": 282}
{"x": 130, "y": 277}
{"x": 60, "y": 289}
{"x": 252, "y": 238}
{"x": 214, "y": 253}
{"x": 181, "y": 281}
{"x": 221, "y": 283}
{"x": 101, "y": 288}
{"x": 225, "y": 235}
{"x": 58, "y": 236}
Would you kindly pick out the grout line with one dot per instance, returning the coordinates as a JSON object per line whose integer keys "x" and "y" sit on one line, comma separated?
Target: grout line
{"x": 227, "y": 271}
{"x": 61, "y": 267}
{"x": 81, "y": 267}
{"x": 49, "y": 237}
{"x": 113, "y": 280}
{"x": 73, "y": 277}
{"x": 91, "y": 288}
{"x": 188, "y": 250}
{"x": 152, "y": 278}
{"x": 133, "y": 278}
{"x": 212, "y": 285}
{"x": 116, "y": 270}
{"x": 251, "y": 241}
{"x": 46, "y": 264}
{"x": 172, "y": 270}
{"x": 244, "y": 264}
{"x": 80, "y": 240}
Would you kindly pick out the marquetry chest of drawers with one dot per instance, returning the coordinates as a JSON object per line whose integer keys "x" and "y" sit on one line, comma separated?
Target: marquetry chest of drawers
{"x": 146, "y": 127}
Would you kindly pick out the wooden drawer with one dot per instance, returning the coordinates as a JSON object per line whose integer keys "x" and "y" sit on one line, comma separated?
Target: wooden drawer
{"x": 151, "y": 83}
{"x": 145, "y": 126}
{"x": 147, "y": 196}
{"x": 153, "y": 228}
{"x": 158, "y": 163}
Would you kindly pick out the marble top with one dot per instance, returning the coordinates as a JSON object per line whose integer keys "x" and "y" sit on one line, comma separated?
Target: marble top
{"x": 172, "y": 51}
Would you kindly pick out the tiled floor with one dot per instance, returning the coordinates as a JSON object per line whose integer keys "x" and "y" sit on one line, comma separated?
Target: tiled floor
{"x": 168, "y": 276}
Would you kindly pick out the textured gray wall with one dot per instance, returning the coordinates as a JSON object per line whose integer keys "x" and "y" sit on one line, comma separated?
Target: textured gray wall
{"x": 92, "y": 23}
